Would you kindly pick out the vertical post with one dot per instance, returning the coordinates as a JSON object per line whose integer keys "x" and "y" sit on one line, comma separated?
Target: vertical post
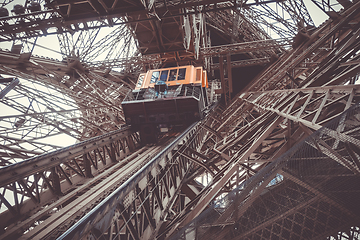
{"x": 289, "y": 133}
{"x": 87, "y": 166}
{"x": 16, "y": 197}
{"x": 56, "y": 181}
{"x": 236, "y": 202}
{"x": 222, "y": 79}
{"x": 226, "y": 83}
{"x": 130, "y": 143}
{"x": 112, "y": 152}
{"x": 228, "y": 60}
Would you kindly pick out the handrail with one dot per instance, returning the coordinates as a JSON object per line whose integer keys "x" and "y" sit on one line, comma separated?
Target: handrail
{"x": 151, "y": 94}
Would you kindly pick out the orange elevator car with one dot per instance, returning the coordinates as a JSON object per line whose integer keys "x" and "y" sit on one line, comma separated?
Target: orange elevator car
{"x": 166, "y": 99}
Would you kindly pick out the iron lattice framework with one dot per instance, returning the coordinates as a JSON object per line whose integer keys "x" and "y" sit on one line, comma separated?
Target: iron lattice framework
{"x": 231, "y": 164}
{"x": 55, "y": 98}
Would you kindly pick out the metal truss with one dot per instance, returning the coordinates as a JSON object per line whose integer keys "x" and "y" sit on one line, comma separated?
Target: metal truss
{"x": 284, "y": 18}
{"x": 254, "y": 127}
{"x": 89, "y": 46}
{"x": 153, "y": 191}
{"x": 156, "y": 195}
{"x": 29, "y": 186}
{"x": 153, "y": 60}
{"x": 235, "y": 25}
{"x": 53, "y": 99}
{"x": 164, "y": 190}
{"x": 300, "y": 63}
{"x": 61, "y": 16}
{"x": 331, "y": 7}
{"x": 47, "y": 21}
{"x": 82, "y": 17}
{"x": 308, "y": 192}
{"x": 245, "y": 47}
{"x": 256, "y": 49}
{"x": 238, "y": 143}
{"x": 264, "y": 47}
{"x": 244, "y": 63}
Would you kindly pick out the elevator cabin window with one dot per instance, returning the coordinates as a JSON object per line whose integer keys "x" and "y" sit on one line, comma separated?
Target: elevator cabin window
{"x": 155, "y": 77}
{"x": 172, "y": 76}
{"x": 164, "y": 75}
{"x": 182, "y": 72}
{"x": 141, "y": 79}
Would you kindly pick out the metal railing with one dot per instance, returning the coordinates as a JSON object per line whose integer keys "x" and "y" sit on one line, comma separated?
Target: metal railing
{"x": 152, "y": 93}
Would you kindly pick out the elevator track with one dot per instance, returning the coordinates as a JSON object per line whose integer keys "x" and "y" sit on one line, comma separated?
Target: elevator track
{"x": 111, "y": 160}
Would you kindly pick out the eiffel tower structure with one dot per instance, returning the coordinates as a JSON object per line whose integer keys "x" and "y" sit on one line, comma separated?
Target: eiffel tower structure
{"x": 277, "y": 155}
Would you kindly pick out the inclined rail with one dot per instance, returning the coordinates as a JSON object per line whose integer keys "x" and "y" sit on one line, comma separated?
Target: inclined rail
{"x": 94, "y": 192}
{"x": 31, "y": 189}
{"x": 101, "y": 217}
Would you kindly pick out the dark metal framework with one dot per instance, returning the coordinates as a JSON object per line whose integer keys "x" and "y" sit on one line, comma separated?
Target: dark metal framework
{"x": 50, "y": 179}
{"x": 308, "y": 80}
{"x": 61, "y": 16}
{"x": 55, "y": 98}
{"x": 307, "y": 193}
